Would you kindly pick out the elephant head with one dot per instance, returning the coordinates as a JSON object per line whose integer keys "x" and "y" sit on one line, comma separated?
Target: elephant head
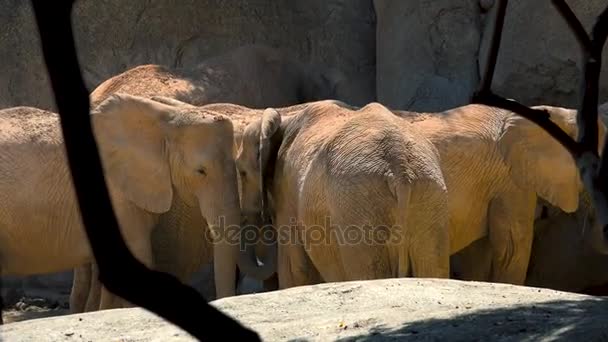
{"x": 248, "y": 262}
{"x": 153, "y": 152}
{"x": 537, "y": 161}
{"x": 255, "y": 161}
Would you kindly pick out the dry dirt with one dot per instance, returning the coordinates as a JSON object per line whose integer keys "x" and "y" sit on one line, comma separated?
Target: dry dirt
{"x": 378, "y": 310}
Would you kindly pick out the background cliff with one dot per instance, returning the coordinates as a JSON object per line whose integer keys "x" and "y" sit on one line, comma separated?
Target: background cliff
{"x": 419, "y": 55}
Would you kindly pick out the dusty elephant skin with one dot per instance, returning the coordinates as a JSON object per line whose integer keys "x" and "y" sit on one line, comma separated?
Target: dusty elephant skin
{"x": 179, "y": 245}
{"x": 506, "y": 163}
{"x": 177, "y": 153}
{"x": 376, "y": 310}
{"x": 334, "y": 161}
{"x": 255, "y": 76}
{"x": 503, "y": 160}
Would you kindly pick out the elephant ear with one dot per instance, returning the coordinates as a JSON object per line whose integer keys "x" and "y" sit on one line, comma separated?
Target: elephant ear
{"x": 131, "y": 132}
{"x": 269, "y": 126}
{"x": 271, "y": 121}
{"x": 538, "y": 162}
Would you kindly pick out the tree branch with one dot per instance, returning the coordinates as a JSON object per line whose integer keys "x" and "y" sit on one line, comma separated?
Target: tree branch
{"x": 539, "y": 117}
{"x": 575, "y": 25}
{"x": 593, "y": 171}
{"x": 120, "y": 272}
{"x": 486, "y": 81}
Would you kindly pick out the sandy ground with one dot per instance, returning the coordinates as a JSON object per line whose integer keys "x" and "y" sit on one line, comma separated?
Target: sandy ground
{"x": 378, "y": 310}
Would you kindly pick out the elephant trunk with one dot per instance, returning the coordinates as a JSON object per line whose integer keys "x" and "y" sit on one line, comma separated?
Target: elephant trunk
{"x": 223, "y": 217}
{"x": 259, "y": 235}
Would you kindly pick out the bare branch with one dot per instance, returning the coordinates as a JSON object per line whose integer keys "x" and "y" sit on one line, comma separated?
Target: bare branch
{"x": 592, "y": 55}
{"x": 593, "y": 171}
{"x": 574, "y": 23}
{"x": 599, "y": 34}
{"x": 123, "y": 275}
{"x": 486, "y": 82}
{"x": 539, "y": 117}
{"x": 484, "y": 93}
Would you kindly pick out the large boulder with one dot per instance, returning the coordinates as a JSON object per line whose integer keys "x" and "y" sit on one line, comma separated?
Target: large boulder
{"x": 377, "y": 310}
{"x": 426, "y": 53}
{"x": 540, "y": 59}
{"x": 430, "y": 54}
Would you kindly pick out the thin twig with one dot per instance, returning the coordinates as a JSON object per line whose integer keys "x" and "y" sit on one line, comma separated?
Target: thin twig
{"x": 575, "y": 25}
{"x": 484, "y": 93}
{"x": 593, "y": 171}
{"x": 486, "y": 81}
{"x": 120, "y": 272}
{"x": 539, "y": 117}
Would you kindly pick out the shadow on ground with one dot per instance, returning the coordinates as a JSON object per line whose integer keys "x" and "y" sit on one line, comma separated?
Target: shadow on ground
{"x": 585, "y": 320}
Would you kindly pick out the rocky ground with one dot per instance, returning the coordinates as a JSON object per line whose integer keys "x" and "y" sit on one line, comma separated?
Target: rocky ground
{"x": 379, "y": 310}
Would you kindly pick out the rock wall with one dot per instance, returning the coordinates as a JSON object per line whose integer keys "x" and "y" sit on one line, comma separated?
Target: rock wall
{"x": 113, "y": 36}
{"x": 430, "y": 53}
{"x": 426, "y": 53}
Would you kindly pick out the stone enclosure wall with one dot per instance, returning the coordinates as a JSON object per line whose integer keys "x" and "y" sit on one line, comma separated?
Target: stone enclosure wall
{"x": 418, "y": 55}
{"x": 408, "y": 54}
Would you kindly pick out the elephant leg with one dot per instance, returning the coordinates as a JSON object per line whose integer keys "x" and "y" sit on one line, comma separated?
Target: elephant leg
{"x": 294, "y": 267}
{"x": 81, "y": 286}
{"x": 94, "y": 296}
{"x": 361, "y": 257}
{"x": 511, "y": 232}
{"x": 473, "y": 262}
{"x": 424, "y": 230}
{"x": 142, "y": 250}
{"x": 271, "y": 284}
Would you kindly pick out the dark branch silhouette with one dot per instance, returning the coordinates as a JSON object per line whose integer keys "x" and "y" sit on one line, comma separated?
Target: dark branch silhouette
{"x": 119, "y": 271}
{"x": 584, "y": 150}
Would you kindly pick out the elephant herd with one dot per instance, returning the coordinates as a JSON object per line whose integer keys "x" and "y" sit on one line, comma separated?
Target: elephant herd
{"x": 252, "y": 162}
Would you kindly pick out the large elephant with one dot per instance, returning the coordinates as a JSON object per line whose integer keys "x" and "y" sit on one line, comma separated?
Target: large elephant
{"x": 344, "y": 173}
{"x": 495, "y": 165}
{"x": 153, "y": 155}
{"x": 563, "y": 240}
{"x": 254, "y": 76}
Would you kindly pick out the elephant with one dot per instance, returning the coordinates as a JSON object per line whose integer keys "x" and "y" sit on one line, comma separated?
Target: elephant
{"x": 495, "y": 165}
{"x": 153, "y": 156}
{"x": 178, "y": 240}
{"x": 562, "y": 241}
{"x": 332, "y": 168}
{"x": 252, "y": 76}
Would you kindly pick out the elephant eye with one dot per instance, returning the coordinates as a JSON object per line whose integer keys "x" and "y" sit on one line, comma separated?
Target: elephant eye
{"x": 243, "y": 174}
{"x": 202, "y": 171}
